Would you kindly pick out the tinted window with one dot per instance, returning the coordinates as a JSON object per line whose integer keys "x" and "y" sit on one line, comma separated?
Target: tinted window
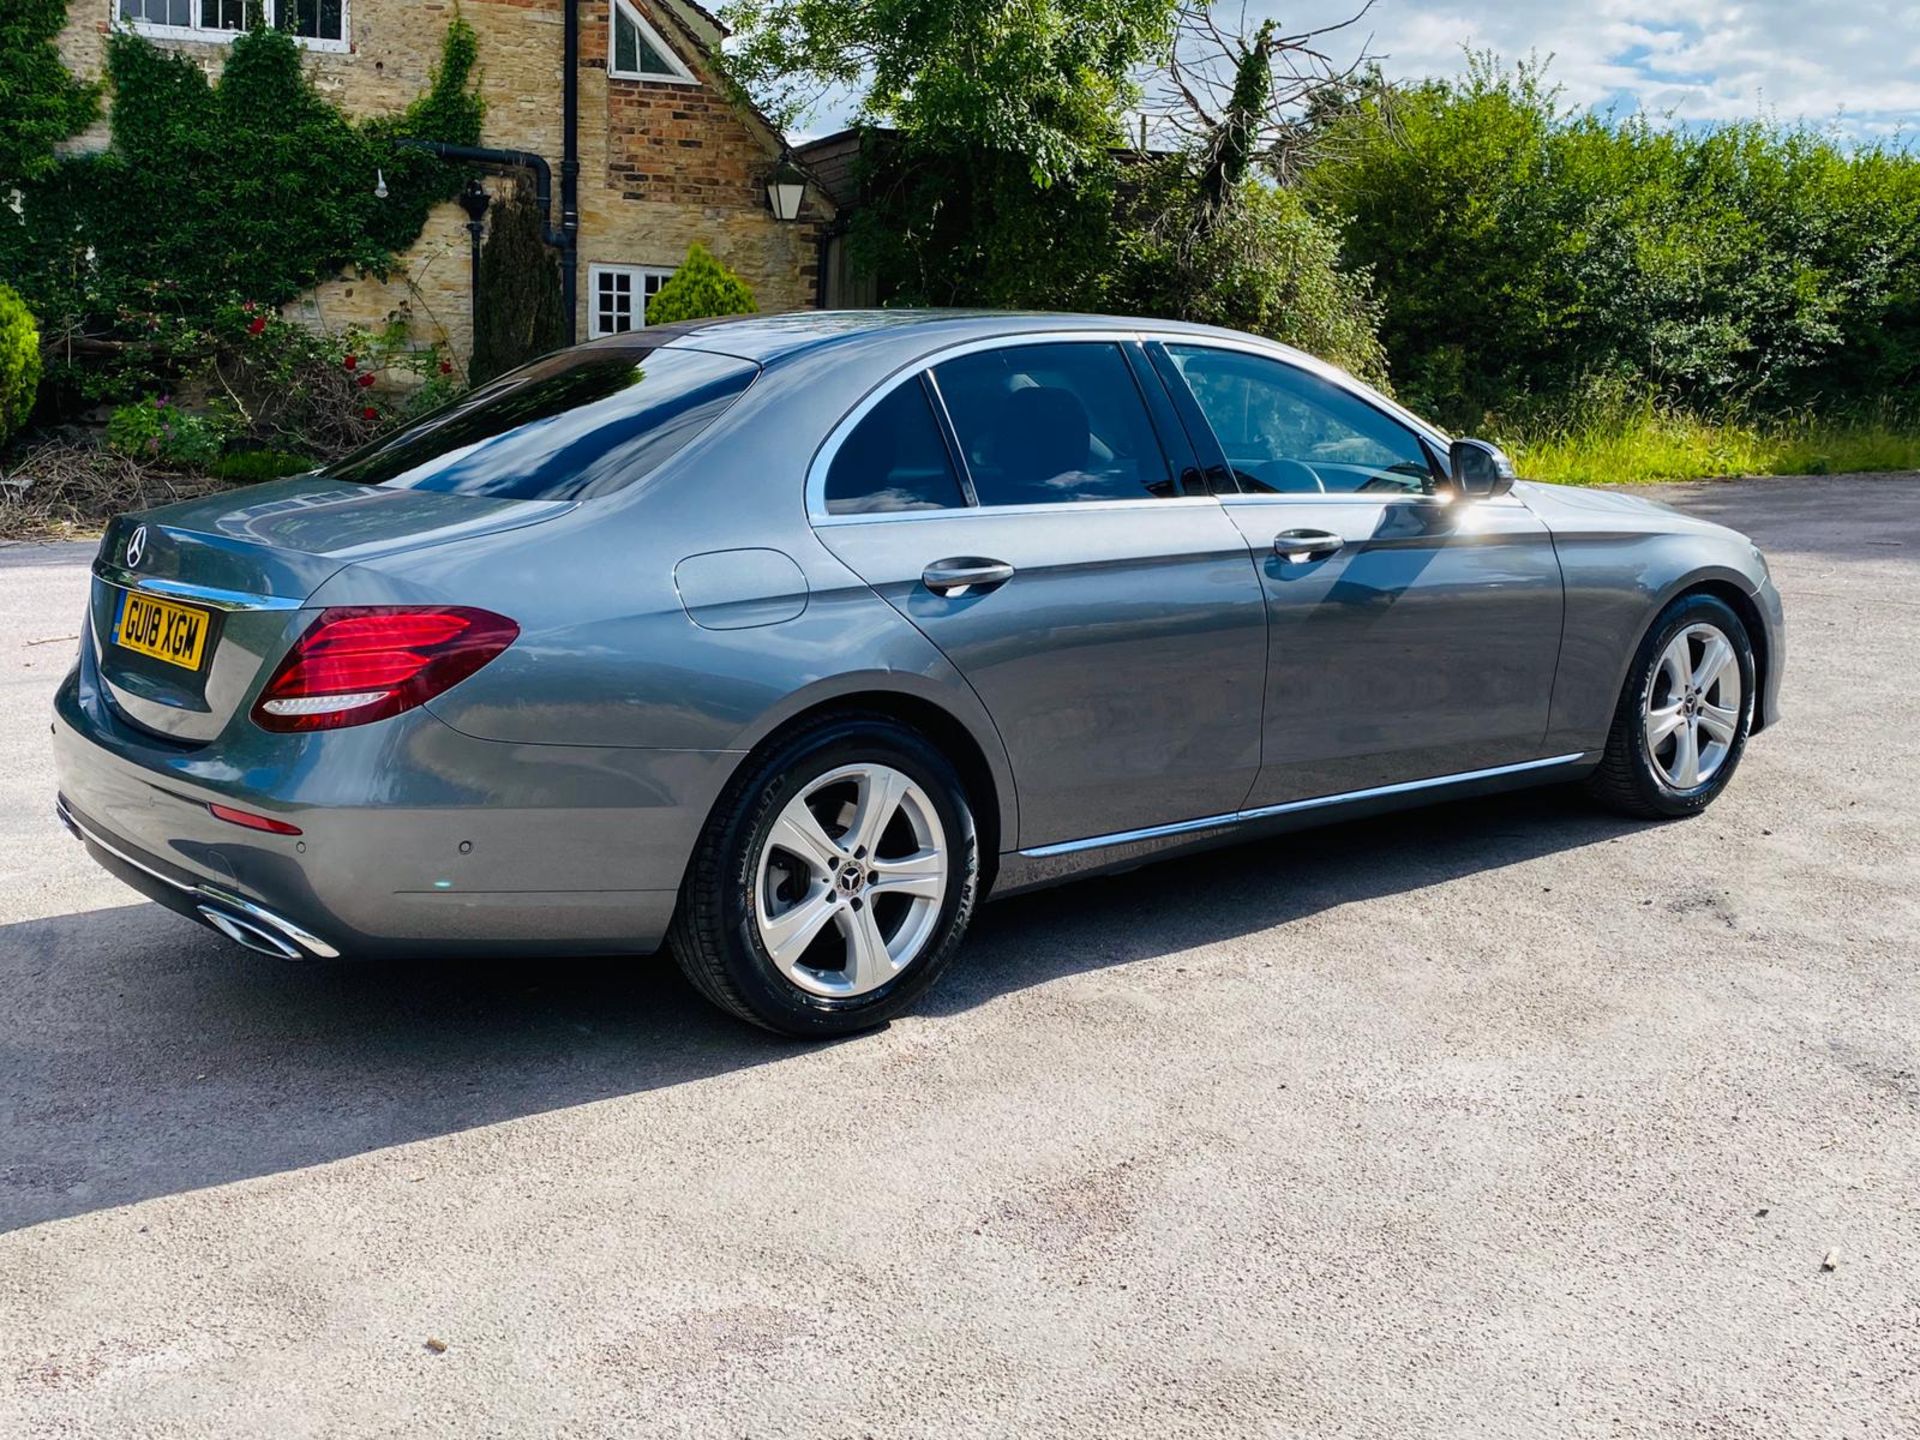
{"x": 895, "y": 459}
{"x": 571, "y": 426}
{"x": 1046, "y": 424}
{"x": 1288, "y": 431}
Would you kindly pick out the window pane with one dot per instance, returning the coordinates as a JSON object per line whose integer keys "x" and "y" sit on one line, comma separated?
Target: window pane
{"x": 314, "y": 19}
{"x": 180, "y": 12}
{"x": 1049, "y": 424}
{"x": 894, "y": 460}
{"x": 572, "y": 426}
{"x": 652, "y": 62}
{"x": 626, "y": 43}
{"x": 1287, "y": 431}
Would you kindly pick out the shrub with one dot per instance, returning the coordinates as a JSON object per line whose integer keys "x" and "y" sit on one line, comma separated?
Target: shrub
{"x": 519, "y": 314}
{"x": 157, "y": 431}
{"x": 19, "y": 362}
{"x": 702, "y": 286}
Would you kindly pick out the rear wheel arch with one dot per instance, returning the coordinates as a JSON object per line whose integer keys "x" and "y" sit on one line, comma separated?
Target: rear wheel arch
{"x": 989, "y": 787}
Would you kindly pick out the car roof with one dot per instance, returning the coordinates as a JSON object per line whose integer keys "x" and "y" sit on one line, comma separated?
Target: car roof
{"x": 767, "y": 338}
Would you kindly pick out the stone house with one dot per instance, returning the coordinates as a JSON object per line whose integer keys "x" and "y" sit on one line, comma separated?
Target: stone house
{"x": 665, "y": 156}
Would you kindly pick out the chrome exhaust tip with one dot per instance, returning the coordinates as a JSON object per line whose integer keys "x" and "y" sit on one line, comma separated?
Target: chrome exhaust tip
{"x": 255, "y": 937}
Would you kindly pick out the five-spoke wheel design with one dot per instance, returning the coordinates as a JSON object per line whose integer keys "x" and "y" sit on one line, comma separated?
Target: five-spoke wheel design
{"x": 1693, "y": 706}
{"x": 850, "y": 880}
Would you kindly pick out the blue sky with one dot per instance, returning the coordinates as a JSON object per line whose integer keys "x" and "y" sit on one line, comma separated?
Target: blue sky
{"x": 1850, "y": 63}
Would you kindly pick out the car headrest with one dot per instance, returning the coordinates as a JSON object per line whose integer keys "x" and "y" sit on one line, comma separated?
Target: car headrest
{"x": 1043, "y": 433}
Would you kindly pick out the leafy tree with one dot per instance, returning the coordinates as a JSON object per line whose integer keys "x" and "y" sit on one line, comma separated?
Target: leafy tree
{"x": 988, "y": 167}
{"x": 19, "y": 362}
{"x": 701, "y": 287}
{"x": 40, "y": 102}
{"x": 519, "y": 314}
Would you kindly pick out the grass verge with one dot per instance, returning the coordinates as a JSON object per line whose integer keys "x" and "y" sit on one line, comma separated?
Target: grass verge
{"x": 1646, "y": 445}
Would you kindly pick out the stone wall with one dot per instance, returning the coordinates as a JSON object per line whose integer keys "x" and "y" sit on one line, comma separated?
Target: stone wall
{"x": 662, "y": 164}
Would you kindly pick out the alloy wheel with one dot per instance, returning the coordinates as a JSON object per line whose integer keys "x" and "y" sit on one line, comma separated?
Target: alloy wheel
{"x": 850, "y": 880}
{"x": 1693, "y": 707}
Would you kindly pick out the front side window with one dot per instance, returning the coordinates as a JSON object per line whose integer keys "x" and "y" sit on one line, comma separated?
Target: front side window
{"x": 620, "y": 296}
{"x": 1288, "y": 431}
{"x": 572, "y": 426}
{"x": 320, "y": 21}
{"x": 894, "y": 459}
{"x": 1053, "y": 423}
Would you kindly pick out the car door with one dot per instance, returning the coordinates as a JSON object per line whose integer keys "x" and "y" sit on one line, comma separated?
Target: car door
{"x": 1411, "y": 635}
{"x": 1016, "y": 502}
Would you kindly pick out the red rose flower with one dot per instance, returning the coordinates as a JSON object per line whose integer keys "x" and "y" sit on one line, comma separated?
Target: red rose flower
{"x": 446, "y": 367}
{"x": 256, "y": 325}
{"x": 366, "y": 382}
{"x": 351, "y": 361}
{"x": 369, "y": 413}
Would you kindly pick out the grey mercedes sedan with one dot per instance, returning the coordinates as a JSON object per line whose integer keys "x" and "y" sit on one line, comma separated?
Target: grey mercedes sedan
{"x": 785, "y": 640}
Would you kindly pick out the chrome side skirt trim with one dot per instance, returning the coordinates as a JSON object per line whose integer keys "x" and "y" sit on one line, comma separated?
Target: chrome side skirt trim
{"x": 260, "y": 915}
{"x": 1318, "y": 802}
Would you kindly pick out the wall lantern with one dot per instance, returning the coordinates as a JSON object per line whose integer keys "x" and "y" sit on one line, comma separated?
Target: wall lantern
{"x": 786, "y": 188}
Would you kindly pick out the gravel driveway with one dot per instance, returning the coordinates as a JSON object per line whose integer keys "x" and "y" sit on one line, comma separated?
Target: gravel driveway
{"x": 1502, "y": 1119}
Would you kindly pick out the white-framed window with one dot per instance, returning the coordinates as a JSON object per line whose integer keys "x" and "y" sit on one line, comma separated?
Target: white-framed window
{"x": 636, "y": 51}
{"x": 318, "y": 24}
{"x": 617, "y": 296}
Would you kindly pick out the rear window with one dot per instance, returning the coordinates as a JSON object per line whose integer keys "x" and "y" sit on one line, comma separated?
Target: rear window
{"x": 572, "y": 426}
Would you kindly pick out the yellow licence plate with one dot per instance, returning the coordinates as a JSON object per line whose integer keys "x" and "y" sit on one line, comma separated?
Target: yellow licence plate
{"x": 176, "y": 634}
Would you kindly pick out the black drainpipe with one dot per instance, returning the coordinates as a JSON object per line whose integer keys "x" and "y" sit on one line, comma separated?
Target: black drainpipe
{"x": 570, "y": 171}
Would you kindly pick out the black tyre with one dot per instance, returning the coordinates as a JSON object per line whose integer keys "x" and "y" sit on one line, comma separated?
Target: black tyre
{"x": 833, "y": 882}
{"x": 1684, "y": 715}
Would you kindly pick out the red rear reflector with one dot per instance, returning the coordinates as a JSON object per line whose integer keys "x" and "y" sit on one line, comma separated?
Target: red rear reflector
{"x": 252, "y": 821}
{"x": 359, "y": 663}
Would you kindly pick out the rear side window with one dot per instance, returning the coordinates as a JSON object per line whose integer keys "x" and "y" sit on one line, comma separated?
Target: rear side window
{"x": 572, "y": 426}
{"x": 894, "y": 459}
{"x": 1053, "y": 424}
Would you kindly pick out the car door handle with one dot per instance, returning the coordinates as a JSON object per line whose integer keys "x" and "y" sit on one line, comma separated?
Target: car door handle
{"x": 965, "y": 573}
{"x": 1290, "y": 543}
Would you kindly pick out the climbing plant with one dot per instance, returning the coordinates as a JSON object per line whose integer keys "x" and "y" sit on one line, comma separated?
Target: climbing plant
{"x": 251, "y": 188}
{"x": 40, "y": 102}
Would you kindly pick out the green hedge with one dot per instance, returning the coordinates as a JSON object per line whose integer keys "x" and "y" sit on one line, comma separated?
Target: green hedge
{"x": 701, "y": 287}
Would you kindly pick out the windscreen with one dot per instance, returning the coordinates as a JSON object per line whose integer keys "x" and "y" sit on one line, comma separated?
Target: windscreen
{"x": 572, "y": 426}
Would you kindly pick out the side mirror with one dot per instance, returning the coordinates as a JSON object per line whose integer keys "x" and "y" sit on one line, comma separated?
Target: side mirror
{"x": 1479, "y": 471}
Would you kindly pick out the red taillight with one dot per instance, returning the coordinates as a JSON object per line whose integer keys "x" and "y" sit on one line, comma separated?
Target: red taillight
{"x": 365, "y": 662}
{"x": 251, "y": 820}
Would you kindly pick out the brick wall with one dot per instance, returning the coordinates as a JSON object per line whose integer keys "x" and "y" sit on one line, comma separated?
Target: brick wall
{"x": 662, "y": 164}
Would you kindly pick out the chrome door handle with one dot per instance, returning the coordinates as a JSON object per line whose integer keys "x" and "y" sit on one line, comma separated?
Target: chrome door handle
{"x": 1292, "y": 544}
{"x": 965, "y": 573}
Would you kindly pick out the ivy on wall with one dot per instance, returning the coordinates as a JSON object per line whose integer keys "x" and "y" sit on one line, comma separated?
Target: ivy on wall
{"x": 250, "y": 189}
{"x": 41, "y": 104}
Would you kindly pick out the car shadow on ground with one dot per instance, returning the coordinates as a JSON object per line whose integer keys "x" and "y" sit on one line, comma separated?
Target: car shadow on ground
{"x": 143, "y": 1056}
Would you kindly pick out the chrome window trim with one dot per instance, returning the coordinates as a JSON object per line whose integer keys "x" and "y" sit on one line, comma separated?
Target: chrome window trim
{"x": 1317, "y": 802}
{"x": 1081, "y": 507}
{"x": 816, "y": 491}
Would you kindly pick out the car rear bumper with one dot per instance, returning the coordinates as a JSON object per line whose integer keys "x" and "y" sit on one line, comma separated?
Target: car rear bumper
{"x": 414, "y": 840}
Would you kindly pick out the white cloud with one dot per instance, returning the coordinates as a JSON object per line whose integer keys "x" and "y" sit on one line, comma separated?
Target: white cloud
{"x": 1701, "y": 60}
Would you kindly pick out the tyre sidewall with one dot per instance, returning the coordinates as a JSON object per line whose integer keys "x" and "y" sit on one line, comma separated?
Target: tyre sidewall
{"x": 1652, "y": 784}
{"x": 775, "y": 999}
